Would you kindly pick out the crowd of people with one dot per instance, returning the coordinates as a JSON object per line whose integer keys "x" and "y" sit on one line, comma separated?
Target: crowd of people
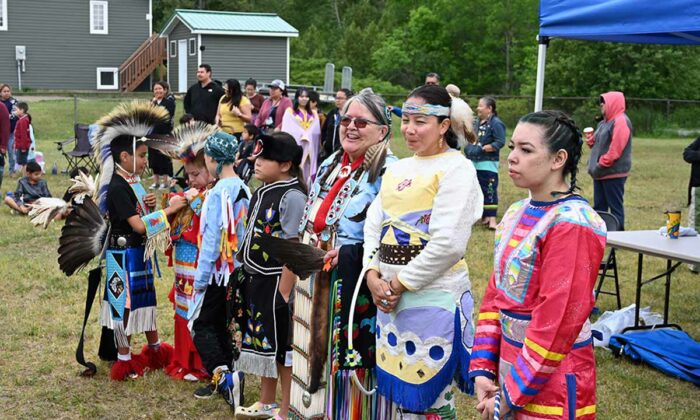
{"x": 342, "y": 278}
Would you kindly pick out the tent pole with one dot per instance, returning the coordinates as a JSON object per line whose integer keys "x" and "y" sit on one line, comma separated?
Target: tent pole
{"x": 541, "y": 60}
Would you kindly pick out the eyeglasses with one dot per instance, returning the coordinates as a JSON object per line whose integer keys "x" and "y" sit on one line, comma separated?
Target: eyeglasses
{"x": 359, "y": 122}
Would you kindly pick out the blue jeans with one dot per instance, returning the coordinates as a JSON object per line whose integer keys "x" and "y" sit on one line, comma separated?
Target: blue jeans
{"x": 608, "y": 195}
{"x": 11, "y": 153}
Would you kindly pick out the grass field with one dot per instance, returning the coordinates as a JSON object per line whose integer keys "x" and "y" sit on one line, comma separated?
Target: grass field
{"x": 41, "y": 310}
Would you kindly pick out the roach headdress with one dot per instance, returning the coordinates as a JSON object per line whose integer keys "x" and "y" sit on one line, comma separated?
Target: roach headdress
{"x": 135, "y": 119}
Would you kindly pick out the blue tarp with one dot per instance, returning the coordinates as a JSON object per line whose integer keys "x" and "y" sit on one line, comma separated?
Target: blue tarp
{"x": 672, "y": 352}
{"x": 631, "y": 21}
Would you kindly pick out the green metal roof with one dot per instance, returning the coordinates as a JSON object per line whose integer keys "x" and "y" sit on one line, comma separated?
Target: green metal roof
{"x": 231, "y": 23}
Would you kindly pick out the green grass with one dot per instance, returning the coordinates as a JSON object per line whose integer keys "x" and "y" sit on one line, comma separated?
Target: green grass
{"x": 41, "y": 310}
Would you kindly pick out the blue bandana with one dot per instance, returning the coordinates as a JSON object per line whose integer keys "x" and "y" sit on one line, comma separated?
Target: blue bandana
{"x": 221, "y": 147}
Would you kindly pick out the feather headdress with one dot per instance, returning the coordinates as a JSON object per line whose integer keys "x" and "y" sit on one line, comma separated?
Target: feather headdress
{"x": 136, "y": 119}
{"x": 190, "y": 140}
{"x": 462, "y": 118}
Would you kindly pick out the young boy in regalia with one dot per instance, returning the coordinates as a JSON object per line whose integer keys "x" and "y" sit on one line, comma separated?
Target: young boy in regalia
{"x": 222, "y": 226}
{"x": 137, "y": 229}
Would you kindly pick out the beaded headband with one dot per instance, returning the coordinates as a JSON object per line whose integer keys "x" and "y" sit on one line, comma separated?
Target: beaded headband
{"x": 425, "y": 109}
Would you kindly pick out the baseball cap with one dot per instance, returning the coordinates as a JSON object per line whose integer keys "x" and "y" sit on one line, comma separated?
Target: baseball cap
{"x": 277, "y": 83}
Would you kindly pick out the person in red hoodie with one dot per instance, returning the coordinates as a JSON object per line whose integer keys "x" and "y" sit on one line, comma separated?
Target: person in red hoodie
{"x": 4, "y": 138}
{"x": 611, "y": 156}
{"x": 23, "y": 140}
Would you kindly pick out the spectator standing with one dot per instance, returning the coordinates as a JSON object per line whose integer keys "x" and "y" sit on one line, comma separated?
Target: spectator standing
{"x": 4, "y": 138}
{"x": 302, "y": 123}
{"x": 202, "y": 98}
{"x": 255, "y": 98}
{"x": 234, "y": 109}
{"x": 329, "y": 129}
{"x": 491, "y": 133}
{"x": 432, "y": 79}
{"x": 611, "y": 156}
{"x": 10, "y": 102}
{"x": 691, "y": 154}
{"x": 274, "y": 107}
{"x": 161, "y": 165}
{"x": 314, "y": 99}
{"x": 23, "y": 138}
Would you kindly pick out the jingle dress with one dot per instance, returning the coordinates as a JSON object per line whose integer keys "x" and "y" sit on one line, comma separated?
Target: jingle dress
{"x": 183, "y": 255}
{"x": 338, "y": 399}
{"x": 417, "y": 229}
{"x": 533, "y": 334}
{"x": 306, "y": 130}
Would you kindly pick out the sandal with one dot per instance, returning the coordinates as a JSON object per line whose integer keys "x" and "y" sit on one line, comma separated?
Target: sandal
{"x": 257, "y": 411}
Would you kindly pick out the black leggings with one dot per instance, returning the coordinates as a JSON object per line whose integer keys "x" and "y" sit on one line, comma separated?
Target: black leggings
{"x": 211, "y": 336}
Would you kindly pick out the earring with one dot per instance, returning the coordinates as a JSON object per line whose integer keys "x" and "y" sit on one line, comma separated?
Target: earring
{"x": 441, "y": 142}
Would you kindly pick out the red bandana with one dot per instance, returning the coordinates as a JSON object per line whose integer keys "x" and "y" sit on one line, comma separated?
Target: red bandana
{"x": 346, "y": 170}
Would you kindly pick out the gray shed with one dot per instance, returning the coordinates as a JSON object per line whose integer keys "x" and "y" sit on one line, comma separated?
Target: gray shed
{"x": 74, "y": 44}
{"x": 236, "y": 45}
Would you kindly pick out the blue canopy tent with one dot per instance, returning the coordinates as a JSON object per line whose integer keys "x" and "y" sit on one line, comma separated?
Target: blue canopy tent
{"x": 674, "y": 22}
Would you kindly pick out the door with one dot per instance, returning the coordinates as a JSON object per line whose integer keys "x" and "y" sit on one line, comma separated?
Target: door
{"x": 182, "y": 65}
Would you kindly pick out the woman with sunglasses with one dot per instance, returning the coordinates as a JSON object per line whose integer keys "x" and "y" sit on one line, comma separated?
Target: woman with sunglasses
{"x": 346, "y": 184}
{"x": 302, "y": 122}
{"x": 416, "y": 235}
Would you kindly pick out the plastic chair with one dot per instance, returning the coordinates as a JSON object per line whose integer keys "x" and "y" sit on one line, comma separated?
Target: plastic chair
{"x": 81, "y": 155}
{"x": 609, "y": 263}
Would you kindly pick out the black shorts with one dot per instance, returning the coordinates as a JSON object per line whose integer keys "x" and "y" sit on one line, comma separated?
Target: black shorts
{"x": 21, "y": 156}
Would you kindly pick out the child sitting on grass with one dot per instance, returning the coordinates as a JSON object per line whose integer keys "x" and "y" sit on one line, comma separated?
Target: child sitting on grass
{"x": 29, "y": 189}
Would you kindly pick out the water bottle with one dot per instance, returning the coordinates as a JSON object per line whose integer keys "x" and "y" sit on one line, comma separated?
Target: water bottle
{"x": 54, "y": 168}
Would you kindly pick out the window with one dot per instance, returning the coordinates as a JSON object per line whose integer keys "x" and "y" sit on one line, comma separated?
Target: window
{"x": 173, "y": 48}
{"x": 107, "y": 78}
{"x": 193, "y": 46}
{"x": 99, "y": 17}
{"x": 3, "y": 15}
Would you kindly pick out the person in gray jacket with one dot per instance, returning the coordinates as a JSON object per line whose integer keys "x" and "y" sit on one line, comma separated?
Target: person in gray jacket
{"x": 611, "y": 156}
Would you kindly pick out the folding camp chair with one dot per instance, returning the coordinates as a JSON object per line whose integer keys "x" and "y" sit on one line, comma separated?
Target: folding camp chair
{"x": 609, "y": 263}
{"x": 81, "y": 155}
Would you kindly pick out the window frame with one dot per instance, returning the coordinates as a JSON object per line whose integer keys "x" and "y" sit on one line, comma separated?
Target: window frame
{"x": 114, "y": 70}
{"x": 190, "y": 43}
{"x": 173, "y": 49}
{"x": 105, "y": 18}
{"x": 3, "y": 9}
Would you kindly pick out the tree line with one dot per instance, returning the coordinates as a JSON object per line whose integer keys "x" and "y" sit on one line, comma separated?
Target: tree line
{"x": 483, "y": 46}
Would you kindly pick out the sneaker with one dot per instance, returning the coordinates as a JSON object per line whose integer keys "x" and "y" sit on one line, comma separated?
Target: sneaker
{"x": 190, "y": 378}
{"x": 163, "y": 186}
{"x": 257, "y": 411}
{"x": 153, "y": 187}
{"x": 205, "y": 392}
{"x": 230, "y": 385}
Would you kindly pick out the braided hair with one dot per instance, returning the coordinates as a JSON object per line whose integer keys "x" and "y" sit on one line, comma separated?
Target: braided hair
{"x": 560, "y": 132}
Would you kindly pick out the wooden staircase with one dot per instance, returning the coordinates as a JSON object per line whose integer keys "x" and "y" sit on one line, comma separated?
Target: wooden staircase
{"x": 142, "y": 63}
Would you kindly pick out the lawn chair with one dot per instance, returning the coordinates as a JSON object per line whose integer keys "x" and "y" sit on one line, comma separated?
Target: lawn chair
{"x": 81, "y": 155}
{"x": 609, "y": 263}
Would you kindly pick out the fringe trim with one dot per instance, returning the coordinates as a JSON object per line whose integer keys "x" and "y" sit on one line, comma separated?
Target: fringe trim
{"x": 141, "y": 320}
{"x": 158, "y": 242}
{"x": 419, "y": 398}
{"x": 256, "y": 364}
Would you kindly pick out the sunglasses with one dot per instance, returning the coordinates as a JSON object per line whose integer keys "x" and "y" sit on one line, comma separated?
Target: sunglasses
{"x": 359, "y": 122}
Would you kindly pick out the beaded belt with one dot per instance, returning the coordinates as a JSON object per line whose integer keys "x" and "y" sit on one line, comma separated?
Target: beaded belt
{"x": 398, "y": 254}
{"x": 117, "y": 241}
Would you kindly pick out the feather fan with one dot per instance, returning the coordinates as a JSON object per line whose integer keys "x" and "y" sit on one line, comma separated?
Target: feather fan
{"x": 45, "y": 209}
{"x": 303, "y": 260}
{"x": 83, "y": 186}
{"x": 462, "y": 118}
{"x": 82, "y": 237}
